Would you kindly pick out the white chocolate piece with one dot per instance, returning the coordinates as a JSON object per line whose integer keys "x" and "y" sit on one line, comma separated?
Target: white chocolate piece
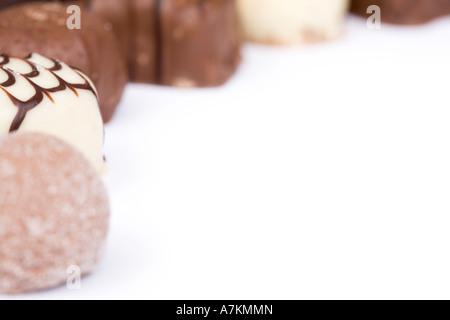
{"x": 70, "y": 113}
{"x": 291, "y": 22}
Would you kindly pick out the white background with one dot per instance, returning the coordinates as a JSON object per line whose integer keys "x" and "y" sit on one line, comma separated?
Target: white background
{"x": 316, "y": 172}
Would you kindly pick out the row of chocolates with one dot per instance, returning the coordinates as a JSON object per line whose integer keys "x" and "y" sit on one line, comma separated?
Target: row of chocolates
{"x": 183, "y": 43}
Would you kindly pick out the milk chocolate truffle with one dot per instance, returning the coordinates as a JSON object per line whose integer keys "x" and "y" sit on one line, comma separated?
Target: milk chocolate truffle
{"x": 407, "y": 12}
{"x": 290, "y": 22}
{"x": 44, "y": 95}
{"x": 42, "y": 27}
{"x": 54, "y": 213}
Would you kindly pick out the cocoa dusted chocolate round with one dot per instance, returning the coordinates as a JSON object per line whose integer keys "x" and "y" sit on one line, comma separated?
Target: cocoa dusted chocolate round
{"x": 42, "y": 27}
{"x": 54, "y": 213}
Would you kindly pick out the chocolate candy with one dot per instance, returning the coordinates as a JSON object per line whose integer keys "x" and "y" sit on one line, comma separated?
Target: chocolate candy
{"x": 405, "y": 11}
{"x": 54, "y": 213}
{"x": 42, "y": 27}
{"x": 288, "y": 22}
{"x": 185, "y": 43}
{"x": 177, "y": 42}
{"x": 44, "y": 95}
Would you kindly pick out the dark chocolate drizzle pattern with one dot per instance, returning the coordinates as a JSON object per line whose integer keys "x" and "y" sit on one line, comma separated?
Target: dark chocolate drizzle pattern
{"x": 25, "y": 106}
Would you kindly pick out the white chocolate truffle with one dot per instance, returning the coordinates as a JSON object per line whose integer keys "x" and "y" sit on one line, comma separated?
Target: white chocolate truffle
{"x": 43, "y": 95}
{"x": 290, "y": 22}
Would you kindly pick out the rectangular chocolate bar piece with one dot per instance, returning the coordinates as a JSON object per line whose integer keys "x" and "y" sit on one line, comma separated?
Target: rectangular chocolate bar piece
{"x": 199, "y": 42}
{"x": 184, "y": 43}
